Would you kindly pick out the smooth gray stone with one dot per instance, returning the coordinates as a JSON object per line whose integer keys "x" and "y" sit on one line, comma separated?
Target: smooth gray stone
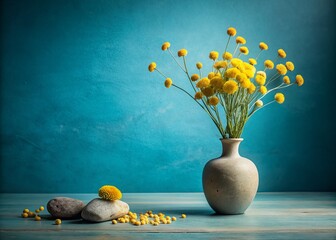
{"x": 99, "y": 210}
{"x": 65, "y": 208}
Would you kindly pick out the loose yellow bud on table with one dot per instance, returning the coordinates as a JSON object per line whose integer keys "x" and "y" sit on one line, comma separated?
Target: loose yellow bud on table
{"x": 37, "y": 218}
{"x": 37, "y": 210}
{"x": 114, "y": 222}
{"x": 137, "y": 223}
{"x": 31, "y": 214}
{"x": 26, "y": 210}
{"x": 41, "y": 208}
{"x": 173, "y": 218}
{"x": 58, "y": 221}
{"x": 155, "y": 224}
{"x": 183, "y": 216}
{"x": 24, "y": 215}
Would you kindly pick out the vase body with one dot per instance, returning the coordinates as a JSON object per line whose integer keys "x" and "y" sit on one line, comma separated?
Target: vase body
{"x": 230, "y": 182}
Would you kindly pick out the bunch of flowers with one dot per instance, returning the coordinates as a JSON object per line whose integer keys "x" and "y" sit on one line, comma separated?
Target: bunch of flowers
{"x": 233, "y": 84}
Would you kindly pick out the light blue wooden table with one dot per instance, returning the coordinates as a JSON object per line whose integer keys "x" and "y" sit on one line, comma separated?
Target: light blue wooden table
{"x": 271, "y": 216}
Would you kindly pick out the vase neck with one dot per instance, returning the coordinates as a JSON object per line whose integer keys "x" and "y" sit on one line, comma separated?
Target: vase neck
{"x": 231, "y": 147}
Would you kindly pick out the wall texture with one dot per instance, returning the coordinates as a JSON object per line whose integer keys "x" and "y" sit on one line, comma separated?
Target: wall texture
{"x": 79, "y": 108}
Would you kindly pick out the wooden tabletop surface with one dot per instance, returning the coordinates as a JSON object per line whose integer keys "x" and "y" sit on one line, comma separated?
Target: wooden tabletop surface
{"x": 271, "y": 216}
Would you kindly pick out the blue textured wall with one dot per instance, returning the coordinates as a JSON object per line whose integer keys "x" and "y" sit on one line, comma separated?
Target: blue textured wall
{"x": 79, "y": 108}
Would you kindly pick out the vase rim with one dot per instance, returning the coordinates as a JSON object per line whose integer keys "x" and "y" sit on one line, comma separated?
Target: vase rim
{"x": 232, "y": 139}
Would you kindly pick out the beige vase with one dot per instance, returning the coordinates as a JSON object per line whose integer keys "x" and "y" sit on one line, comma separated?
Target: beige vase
{"x": 230, "y": 182}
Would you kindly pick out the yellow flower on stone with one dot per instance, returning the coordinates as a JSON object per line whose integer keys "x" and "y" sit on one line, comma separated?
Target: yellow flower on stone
{"x": 198, "y": 95}
{"x": 263, "y": 90}
{"x": 227, "y": 56}
{"x": 263, "y": 46}
{"x": 213, "y": 101}
{"x": 204, "y": 82}
{"x": 286, "y": 80}
{"x": 230, "y": 87}
{"x": 259, "y": 103}
{"x": 111, "y": 193}
{"x": 165, "y": 46}
{"x": 282, "y": 70}
{"x": 217, "y": 82}
{"x": 199, "y": 65}
{"x": 299, "y": 80}
{"x": 211, "y": 75}
{"x": 281, "y": 53}
{"x": 168, "y": 82}
{"x": 231, "y": 31}
{"x": 290, "y": 66}
{"x": 231, "y": 72}
{"x": 208, "y": 91}
{"x": 252, "y": 61}
{"x": 269, "y": 64}
{"x": 183, "y": 52}
{"x": 213, "y": 55}
{"x": 236, "y": 62}
{"x": 279, "y": 98}
{"x": 251, "y": 88}
{"x": 220, "y": 64}
{"x": 152, "y": 66}
{"x": 240, "y": 40}
{"x": 194, "y": 77}
{"x": 260, "y": 79}
{"x": 244, "y": 50}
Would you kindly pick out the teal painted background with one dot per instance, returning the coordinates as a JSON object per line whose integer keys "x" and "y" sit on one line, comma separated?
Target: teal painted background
{"x": 79, "y": 108}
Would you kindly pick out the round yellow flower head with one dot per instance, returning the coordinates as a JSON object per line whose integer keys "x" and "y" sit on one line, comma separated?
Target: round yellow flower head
{"x": 211, "y": 75}
{"x": 259, "y": 103}
{"x": 208, "y": 91}
{"x": 260, "y": 79}
{"x": 281, "y": 53}
{"x": 183, "y": 52}
{"x": 240, "y": 40}
{"x": 227, "y": 56}
{"x": 246, "y": 83}
{"x": 269, "y": 64}
{"x": 279, "y": 98}
{"x": 263, "y": 90}
{"x": 282, "y": 70}
{"x": 251, "y": 88}
{"x": 165, "y": 46}
{"x": 236, "y": 62}
{"x": 244, "y": 50}
{"x": 299, "y": 80}
{"x": 213, "y": 55}
{"x": 108, "y": 192}
{"x": 241, "y": 77}
{"x": 198, "y": 95}
{"x": 152, "y": 66}
{"x": 290, "y": 66}
{"x": 204, "y": 82}
{"x": 220, "y": 64}
{"x": 213, "y": 101}
{"x": 194, "y": 77}
{"x": 199, "y": 65}
{"x": 252, "y": 61}
{"x": 217, "y": 82}
{"x": 230, "y": 87}
{"x": 286, "y": 80}
{"x": 263, "y": 46}
{"x": 168, "y": 82}
{"x": 231, "y": 72}
{"x": 262, "y": 73}
{"x": 231, "y": 31}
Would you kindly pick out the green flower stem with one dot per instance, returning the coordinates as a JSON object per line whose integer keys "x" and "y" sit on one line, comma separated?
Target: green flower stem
{"x": 171, "y": 54}
{"x": 234, "y": 52}
{"x": 253, "y": 112}
{"x": 163, "y": 75}
{"x": 258, "y": 55}
{"x": 227, "y": 44}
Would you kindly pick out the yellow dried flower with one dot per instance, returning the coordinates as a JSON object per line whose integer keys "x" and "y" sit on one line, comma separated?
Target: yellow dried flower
{"x": 208, "y": 91}
{"x": 217, "y": 82}
{"x": 260, "y": 79}
{"x": 240, "y": 40}
{"x": 230, "y": 87}
{"x": 165, "y": 46}
{"x": 290, "y": 66}
{"x": 108, "y": 192}
{"x": 220, "y": 64}
{"x": 211, "y": 75}
{"x": 263, "y": 90}
{"x": 58, "y": 221}
{"x": 213, "y": 101}
{"x": 168, "y": 82}
{"x": 183, "y": 52}
{"x": 269, "y": 64}
{"x": 152, "y": 66}
{"x": 231, "y": 31}
{"x": 194, "y": 77}
{"x": 246, "y": 83}
{"x": 231, "y": 72}
{"x": 259, "y": 103}
{"x": 244, "y": 50}
{"x": 281, "y": 53}
{"x": 241, "y": 77}
{"x": 262, "y": 73}
{"x": 236, "y": 62}
{"x": 299, "y": 80}
{"x": 263, "y": 46}
{"x": 251, "y": 88}
{"x": 286, "y": 80}
{"x": 198, "y": 95}
{"x": 250, "y": 71}
{"x": 199, "y": 65}
{"x": 252, "y": 61}
{"x": 279, "y": 98}
{"x": 204, "y": 82}
{"x": 213, "y": 55}
{"x": 227, "y": 56}
{"x": 282, "y": 70}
